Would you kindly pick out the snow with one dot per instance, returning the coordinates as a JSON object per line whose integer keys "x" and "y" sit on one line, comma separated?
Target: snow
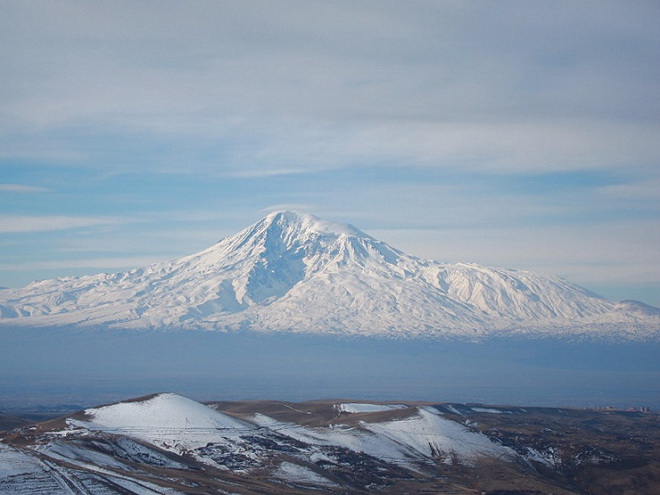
{"x": 454, "y": 410}
{"x": 550, "y": 457}
{"x": 142, "y": 487}
{"x": 100, "y": 464}
{"x": 353, "y": 407}
{"x": 418, "y": 439}
{"x": 79, "y": 456}
{"x": 295, "y": 272}
{"x": 431, "y": 435}
{"x": 13, "y": 462}
{"x": 295, "y": 473}
{"x": 22, "y": 473}
{"x": 124, "y": 448}
{"x": 359, "y": 440}
{"x": 489, "y": 410}
{"x": 169, "y": 421}
{"x": 103, "y": 445}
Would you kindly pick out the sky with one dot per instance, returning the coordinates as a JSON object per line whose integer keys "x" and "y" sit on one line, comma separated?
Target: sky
{"x": 520, "y": 134}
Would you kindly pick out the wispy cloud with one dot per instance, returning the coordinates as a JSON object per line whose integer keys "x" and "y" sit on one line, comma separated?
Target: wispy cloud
{"x": 590, "y": 255}
{"x": 92, "y": 263}
{"x": 302, "y": 207}
{"x": 242, "y": 89}
{"x": 24, "y": 223}
{"x": 267, "y": 172}
{"x": 646, "y": 190}
{"x": 21, "y": 188}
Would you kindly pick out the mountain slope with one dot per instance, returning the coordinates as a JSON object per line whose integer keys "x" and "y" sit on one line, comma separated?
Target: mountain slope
{"x": 295, "y": 272}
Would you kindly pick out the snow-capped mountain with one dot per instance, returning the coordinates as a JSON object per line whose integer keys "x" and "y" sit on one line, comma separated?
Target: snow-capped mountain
{"x": 296, "y": 272}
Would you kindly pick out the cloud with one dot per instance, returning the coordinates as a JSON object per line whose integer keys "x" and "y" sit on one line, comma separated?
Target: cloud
{"x": 94, "y": 263}
{"x": 647, "y": 191}
{"x": 267, "y": 172}
{"x": 582, "y": 254}
{"x": 24, "y": 223}
{"x": 244, "y": 88}
{"x": 21, "y": 188}
{"x": 301, "y": 207}
{"x": 502, "y": 146}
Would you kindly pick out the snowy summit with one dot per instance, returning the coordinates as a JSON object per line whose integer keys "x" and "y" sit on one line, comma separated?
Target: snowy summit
{"x": 295, "y": 272}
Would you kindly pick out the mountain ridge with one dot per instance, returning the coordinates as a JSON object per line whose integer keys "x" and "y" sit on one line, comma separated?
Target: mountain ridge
{"x": 294, "y": 272}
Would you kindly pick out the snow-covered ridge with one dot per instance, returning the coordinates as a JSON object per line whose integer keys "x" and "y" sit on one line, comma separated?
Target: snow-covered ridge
{"x": 181, "y": 425}
{"x": 105, "y": 445}
{"x": 295, "y": 272}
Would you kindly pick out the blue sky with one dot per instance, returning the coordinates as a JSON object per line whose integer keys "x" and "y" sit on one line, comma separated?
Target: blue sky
{"x": 513, "y": 133}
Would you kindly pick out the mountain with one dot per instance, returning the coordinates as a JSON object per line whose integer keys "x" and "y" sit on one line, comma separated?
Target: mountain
{"x": 167, "y": 443}
{"x": 295, "y": 272}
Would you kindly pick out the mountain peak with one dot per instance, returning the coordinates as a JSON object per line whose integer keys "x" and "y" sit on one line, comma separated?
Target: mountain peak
{"x": 307, "y": 222}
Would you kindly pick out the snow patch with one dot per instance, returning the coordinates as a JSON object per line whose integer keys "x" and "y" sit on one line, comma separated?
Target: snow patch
{"x": 489, "y": 410}
{"x": 353, "y": 407}
{"x": 295, "y": 473}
